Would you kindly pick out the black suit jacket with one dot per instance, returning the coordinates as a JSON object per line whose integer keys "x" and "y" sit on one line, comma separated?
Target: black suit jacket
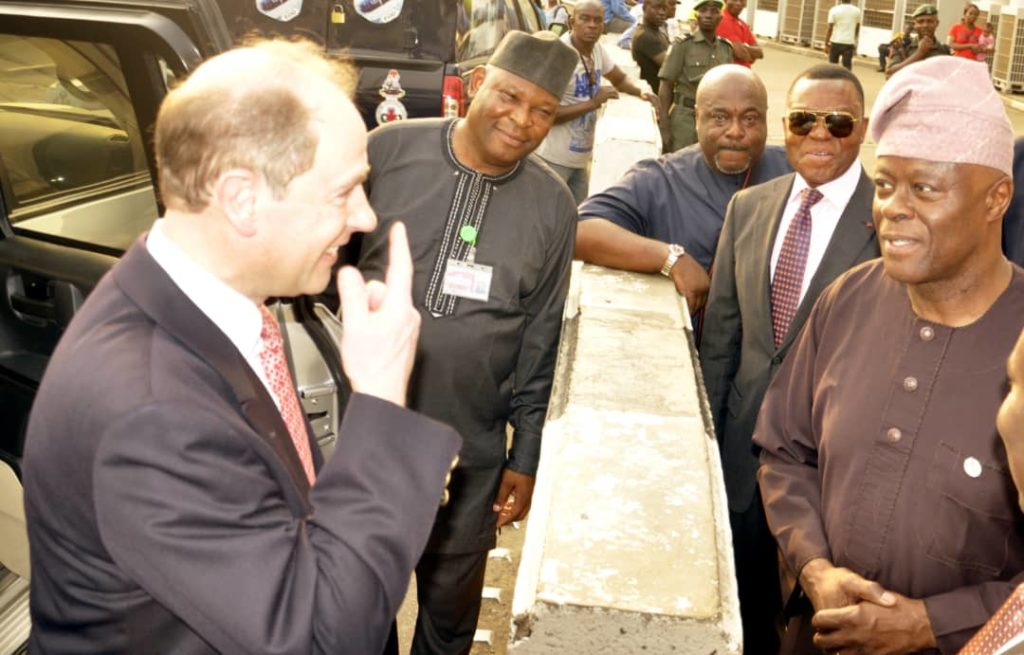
{"x": 737, "y": 351}
{"x": 167, "y": 508}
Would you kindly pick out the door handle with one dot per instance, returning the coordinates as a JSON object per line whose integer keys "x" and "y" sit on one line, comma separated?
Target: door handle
{"x": 60, "y": 304}
{"x": 41, "y": 309}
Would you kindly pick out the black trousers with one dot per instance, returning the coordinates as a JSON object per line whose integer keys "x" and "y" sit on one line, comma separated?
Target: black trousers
{"x": 841, "y": 50}
{"x": 448, "y": 588}
{"x": 883, "y": 54}
{"x": 757, "y": 575}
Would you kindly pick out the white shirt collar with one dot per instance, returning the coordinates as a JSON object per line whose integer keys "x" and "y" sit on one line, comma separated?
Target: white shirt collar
{"x": 236, "y": 315}
{"x": 837, "y": 192}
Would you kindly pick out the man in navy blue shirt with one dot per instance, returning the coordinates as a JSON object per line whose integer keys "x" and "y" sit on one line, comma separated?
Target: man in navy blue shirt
{"x": 1013, "y": 220}
{"x": 665, "y": 214}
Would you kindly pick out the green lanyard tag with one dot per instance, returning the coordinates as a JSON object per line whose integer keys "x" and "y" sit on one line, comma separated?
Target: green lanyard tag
{"x": 468, "y": 234}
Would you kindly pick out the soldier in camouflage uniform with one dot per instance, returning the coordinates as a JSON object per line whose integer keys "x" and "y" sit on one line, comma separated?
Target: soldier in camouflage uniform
{"x": 684, "y": 67}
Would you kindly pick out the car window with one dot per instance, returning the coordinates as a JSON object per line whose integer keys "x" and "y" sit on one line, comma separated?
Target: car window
{"x": 531, "y": 23}
{"x": 72, "y": 157}
{"x": 487, "y": 22}
{"x": 417, "y": 30}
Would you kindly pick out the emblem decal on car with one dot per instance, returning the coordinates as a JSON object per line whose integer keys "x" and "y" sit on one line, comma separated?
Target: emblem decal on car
{"x": 379, "y": 11}
{"x": 392, "y": 108}
{"x": 279, "y": 10}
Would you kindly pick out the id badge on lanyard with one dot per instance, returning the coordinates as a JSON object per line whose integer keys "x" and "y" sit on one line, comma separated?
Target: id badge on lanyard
{"x": 467, "y": 279}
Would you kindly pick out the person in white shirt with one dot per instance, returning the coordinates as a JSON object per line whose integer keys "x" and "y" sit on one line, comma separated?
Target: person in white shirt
{"x": 569, "y": 145}
{"x": 843, "y": 30}
{"x": 557, "y": 16}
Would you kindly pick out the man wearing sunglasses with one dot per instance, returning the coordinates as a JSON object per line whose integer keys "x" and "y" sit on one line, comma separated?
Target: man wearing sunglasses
{"x": 781, "y": 244}
{"x": 665, "y": 214}
{"x": 883, "y": 475}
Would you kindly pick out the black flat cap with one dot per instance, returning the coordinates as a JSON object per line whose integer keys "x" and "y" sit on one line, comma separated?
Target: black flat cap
{"x": 541, "y": 58}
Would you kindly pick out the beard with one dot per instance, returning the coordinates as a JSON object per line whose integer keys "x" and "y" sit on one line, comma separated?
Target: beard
{"x": 734, "y": 170}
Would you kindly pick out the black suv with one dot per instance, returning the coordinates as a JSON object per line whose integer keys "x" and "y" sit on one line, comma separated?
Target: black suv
{"x": 80, "y": 84}
{"x": 429, "y": 44}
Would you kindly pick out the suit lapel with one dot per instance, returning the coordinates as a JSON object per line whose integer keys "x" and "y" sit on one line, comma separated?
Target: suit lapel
{"x": 844, "y": 248}
{"x": 149, "y": 286}
{"x": 768, "y": 223}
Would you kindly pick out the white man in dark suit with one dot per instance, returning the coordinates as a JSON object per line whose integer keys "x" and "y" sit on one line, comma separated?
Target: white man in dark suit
{"x": 781, "y": 244}
{"x": 181, "y": 505}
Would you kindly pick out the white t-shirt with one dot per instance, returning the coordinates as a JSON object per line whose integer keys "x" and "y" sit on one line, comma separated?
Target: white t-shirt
{"x": 844, "y": 18}
{"x": 571, "y": 143}
{"x": 557, "y": 14}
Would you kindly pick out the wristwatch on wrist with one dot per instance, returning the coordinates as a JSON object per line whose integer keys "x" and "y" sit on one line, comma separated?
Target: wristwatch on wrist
{"x": 675, "y": 251}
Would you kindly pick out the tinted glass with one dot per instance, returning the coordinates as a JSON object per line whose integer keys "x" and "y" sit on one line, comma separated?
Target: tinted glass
{"x": 531, "y": 22}
{"x": 410, "y": 28}
{"x": 486, "y": 22}
{"x": 71, "y": 152}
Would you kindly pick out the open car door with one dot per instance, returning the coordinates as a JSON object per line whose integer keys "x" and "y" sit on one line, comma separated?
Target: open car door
{"x": 80, "y": 84}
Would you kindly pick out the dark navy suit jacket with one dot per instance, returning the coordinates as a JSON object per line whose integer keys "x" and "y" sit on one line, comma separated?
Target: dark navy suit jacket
{"x": 167, "y": 508}
{"x": 1013, "y": 221}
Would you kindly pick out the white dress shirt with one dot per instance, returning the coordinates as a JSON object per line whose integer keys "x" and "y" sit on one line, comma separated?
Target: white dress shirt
{"x": 236, "y": 316}
{"x": 825, "y": 216}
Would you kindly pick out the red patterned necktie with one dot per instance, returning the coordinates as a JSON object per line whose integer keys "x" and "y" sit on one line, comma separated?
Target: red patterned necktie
{"x": 1005, "y": 624}
{"x": 789, "y": 269}
{"x": 276, "y": 368}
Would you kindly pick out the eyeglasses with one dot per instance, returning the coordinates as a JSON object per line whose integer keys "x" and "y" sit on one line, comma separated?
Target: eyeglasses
{"x": 839, "y": 123}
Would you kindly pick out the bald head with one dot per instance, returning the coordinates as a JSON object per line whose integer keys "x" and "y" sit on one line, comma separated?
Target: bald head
{"x": 731, "y": 112}
{"x": 720, "y": 78}
{"x": 255, "y": 107}
{"x": 589, "y": 4}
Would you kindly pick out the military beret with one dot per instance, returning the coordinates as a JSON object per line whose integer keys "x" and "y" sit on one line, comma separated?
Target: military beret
{"x": 926, "y": 10}
{"x": 701, "y": 3}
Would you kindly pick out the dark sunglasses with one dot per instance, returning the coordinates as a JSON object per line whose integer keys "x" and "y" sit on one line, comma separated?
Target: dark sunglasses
{"x": 839, "y": 123}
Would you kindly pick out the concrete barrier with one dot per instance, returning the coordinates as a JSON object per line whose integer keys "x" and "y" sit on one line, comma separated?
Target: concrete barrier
{"x": 628, "y": 548}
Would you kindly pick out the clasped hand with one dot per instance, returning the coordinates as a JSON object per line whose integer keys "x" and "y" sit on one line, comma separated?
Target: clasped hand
{"x": 856, "y": 615}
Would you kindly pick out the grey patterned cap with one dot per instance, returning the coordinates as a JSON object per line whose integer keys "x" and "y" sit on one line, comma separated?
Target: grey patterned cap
{"x": 541, "y": 58}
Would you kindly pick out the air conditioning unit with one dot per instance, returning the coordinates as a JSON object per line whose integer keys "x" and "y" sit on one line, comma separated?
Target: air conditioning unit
{"x": 764, "y": 19}
{"x": 1008, "y": 59}
{"x": 798, "y": 21}
{"x": 992, "y": 15}
{"x": 820, "y": 24}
